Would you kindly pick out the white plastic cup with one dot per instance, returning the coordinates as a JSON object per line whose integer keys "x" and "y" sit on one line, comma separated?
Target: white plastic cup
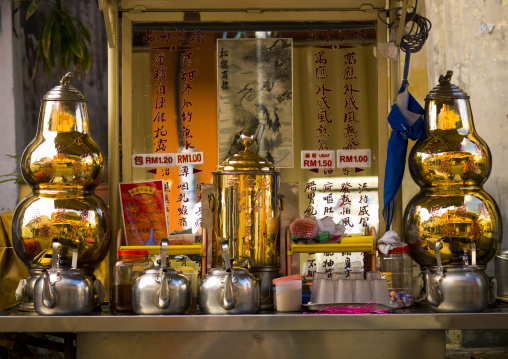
{"x": 288, "y": 293}
{"x": 356, "y": 275}
{"x": 361, "y": 291}
{"x": 325, "y": 291}
{"x": 344, "y": 291}
{"x": 379, "y": 288}
{"x": 338, "y": 276}
{"x": 316, "y": 284}
{"x": 371, "y": 275}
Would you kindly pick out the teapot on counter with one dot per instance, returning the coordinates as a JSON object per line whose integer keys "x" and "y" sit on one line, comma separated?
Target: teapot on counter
{"x": 229, "y": 290}
{"x": 63, "y": 291}
{"x": 161, "y": 290}
{"x": 458, "y": 288}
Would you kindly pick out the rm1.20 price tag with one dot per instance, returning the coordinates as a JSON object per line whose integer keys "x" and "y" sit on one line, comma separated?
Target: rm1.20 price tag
{"x": 153, "y": 160}
{"x": 318, "y": 159}
{"x": 353, "y": 158}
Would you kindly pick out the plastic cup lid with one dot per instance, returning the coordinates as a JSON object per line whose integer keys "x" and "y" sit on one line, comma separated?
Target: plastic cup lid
{"x": 286, "y": 279}
{"x": 133, "y": 252}
{"x": 399, "y": 249}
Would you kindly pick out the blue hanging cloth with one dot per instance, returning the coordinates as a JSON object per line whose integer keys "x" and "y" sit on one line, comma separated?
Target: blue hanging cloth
{"x": 406, "y": 120}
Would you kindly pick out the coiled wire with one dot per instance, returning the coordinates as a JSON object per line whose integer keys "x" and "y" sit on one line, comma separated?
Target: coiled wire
{"x": 417, "y": 27}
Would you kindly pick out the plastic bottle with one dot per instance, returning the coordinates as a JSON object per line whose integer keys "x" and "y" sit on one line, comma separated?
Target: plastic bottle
{"x": 397, "y": 268}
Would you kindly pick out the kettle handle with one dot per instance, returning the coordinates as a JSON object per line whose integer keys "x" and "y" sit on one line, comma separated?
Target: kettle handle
{"x": 163, "y": 298}
{"x": 281, "y": 202}
{"x": 163, "y": 295}
{"x": 163, "y": 254}
{"x": 48, "y": 292}
{"x": 228, "y": 297}
{"x": 68, "y": 243}
{"x": 439, "y": 271}
{"x": 473, "y": 253}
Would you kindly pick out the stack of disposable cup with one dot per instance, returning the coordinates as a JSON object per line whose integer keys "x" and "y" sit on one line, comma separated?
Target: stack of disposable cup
{"x": 379, "y": 289}
{"x": 325, "y": 291}
{"x": 338, "y": 275}
{"x": 373, "y": 275}
{"x": 344, "y": 291}
{"x": 316, "y": 286}
{"x": 356, "y": 275}
{"x": 361, "y": 291}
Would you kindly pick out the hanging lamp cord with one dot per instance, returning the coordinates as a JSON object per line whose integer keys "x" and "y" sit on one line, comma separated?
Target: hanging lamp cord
{"x": 416, "y": 27}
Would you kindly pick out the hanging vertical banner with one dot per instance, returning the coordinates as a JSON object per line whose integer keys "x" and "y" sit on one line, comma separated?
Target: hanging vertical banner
{"x": 183, "y": 120}
{"x": 255, "y": 97}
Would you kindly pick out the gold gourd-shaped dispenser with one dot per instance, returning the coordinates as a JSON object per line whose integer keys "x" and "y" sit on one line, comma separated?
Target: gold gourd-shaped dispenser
{"x": 450, "y": 163}
{"x": 63, "y": 166}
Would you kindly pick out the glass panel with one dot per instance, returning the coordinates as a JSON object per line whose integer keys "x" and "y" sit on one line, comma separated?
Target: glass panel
{"x": 175, "y": 81}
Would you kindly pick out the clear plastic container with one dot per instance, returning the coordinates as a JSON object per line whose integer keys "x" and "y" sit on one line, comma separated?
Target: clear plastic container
{"x": 129, "y": 265}
{"x": 288, "y": 293}
{"x": 397, "y": 268}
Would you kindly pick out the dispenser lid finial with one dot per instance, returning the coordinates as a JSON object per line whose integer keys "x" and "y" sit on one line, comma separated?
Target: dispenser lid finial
{"x": 65, "y": 91}
{"x": 446, "y": 90}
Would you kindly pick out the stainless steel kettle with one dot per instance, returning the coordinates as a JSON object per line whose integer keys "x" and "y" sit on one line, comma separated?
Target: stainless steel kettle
{"x": 456, "y": 289}
{"x": 161, "y": 290}
{"x": 63, "y": 290}
{"x": 229, "y": 290}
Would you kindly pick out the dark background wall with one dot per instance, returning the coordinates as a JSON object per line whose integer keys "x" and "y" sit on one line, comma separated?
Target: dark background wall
{"x": 93, "y": 86}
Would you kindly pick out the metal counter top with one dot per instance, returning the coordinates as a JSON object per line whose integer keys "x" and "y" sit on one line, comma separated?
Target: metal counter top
{"x": 13, "y": 320}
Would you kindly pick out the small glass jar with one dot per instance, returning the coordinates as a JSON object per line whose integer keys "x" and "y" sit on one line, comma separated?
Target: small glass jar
{"x": 129, "y": 265}
{"x": 397, "y": 268}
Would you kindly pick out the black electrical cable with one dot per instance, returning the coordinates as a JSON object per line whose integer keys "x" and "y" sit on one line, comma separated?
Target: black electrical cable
{"x": 417, "y": 27}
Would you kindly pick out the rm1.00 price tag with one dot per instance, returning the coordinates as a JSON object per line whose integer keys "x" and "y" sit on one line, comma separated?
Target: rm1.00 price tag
{"x": 318, "y": 159}
{"x": 353, "y": 158}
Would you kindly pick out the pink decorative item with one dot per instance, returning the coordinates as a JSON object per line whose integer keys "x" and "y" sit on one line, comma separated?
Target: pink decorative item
{"x": 303, "y": 228}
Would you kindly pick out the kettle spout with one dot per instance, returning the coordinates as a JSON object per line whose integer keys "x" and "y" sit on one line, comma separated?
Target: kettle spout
{"x": 48, "y": 292}
{"x": 432, "y": 292}
{"x": 163, "y": 297}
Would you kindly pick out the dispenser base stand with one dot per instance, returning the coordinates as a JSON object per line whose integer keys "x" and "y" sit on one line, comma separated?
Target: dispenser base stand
{"x": 265, "y": 276}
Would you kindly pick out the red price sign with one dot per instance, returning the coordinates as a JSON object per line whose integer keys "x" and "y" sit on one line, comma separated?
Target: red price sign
{"x": 189, "y": 158}
{"x": 353, "y": 158}
{"x": 318, "y": 159}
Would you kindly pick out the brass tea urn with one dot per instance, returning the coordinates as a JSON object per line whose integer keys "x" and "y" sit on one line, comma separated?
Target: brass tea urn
{"x": 450, "y": 163}
{"x": 63, "y": 166}
{"x": 246, "y": 207}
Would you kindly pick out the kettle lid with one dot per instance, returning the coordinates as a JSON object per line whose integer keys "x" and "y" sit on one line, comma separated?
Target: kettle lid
{"x": 446, "y": 90}
{"x": 221, "y": 271}
{"x": 65, "y": 91}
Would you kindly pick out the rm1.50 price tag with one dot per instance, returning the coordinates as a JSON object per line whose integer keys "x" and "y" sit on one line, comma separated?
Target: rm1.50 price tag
{"x": 353, "y": 158}
{"x": 318, "y": 159}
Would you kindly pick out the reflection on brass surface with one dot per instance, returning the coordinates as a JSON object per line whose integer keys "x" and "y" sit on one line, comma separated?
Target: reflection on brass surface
{"x": 63, "y": 166}
{"x": 450, "y": 164}
{"x": 246, "y": 207}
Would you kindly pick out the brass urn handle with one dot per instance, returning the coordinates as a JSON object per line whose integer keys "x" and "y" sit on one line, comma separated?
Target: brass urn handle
{"x": 211, "y": 202}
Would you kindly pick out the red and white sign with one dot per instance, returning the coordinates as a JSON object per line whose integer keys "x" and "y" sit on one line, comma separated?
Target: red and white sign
{"x": 353, "y": 158}
{"x": 167, "y": 159}
{"x": 318, "y": 159}
{"x": 189, "y": 158}
{"x": 153, "y": 160}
